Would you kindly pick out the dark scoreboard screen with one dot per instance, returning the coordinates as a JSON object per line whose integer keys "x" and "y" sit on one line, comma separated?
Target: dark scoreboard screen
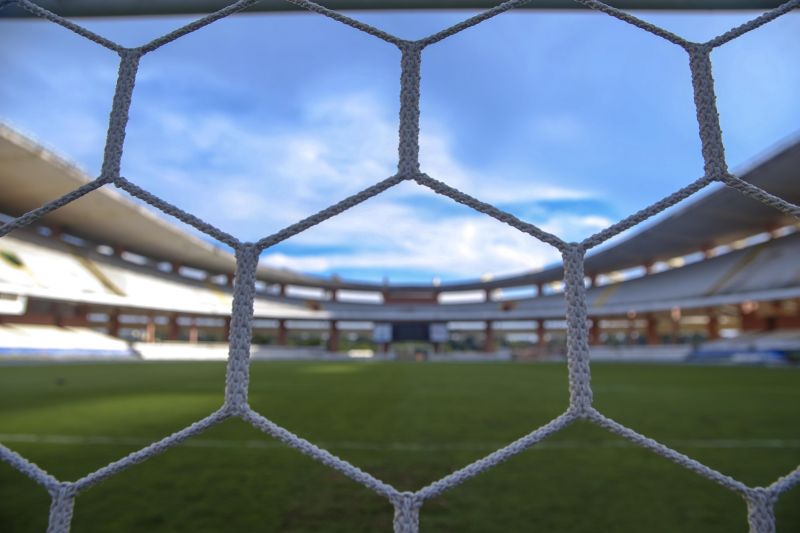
{"x": 411, "y": 331}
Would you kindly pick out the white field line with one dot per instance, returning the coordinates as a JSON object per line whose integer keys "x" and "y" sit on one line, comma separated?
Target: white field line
{"x": 101, "y": 440}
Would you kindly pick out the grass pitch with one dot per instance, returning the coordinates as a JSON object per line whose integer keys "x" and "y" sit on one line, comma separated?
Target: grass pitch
{"x": 408, "y": 424}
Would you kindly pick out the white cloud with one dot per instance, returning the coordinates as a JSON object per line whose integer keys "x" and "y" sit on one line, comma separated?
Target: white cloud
{"x": 257, "y": 180}
{"x": 240, "y": 203}
{"x": 252, "y": 179}
{"x": 392, "y": 235}
{"x": 249, "y": 171}
{"x": 574, "y": 227}
{"x": 496, "y": 187}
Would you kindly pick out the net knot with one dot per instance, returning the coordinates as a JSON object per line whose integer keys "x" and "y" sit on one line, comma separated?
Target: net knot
{"x": 241, "y": 329}
{"x": 406, "y": 512}
{"x": 408, "y": 164}
{"x": 713, "y": 149}
{"x": 760, "y": 513}
{"x": 577, "y": 330}
{"x": 61, "y": 508}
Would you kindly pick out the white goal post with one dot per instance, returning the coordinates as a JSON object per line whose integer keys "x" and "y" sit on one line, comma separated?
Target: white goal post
{"x": 407, "y": 505}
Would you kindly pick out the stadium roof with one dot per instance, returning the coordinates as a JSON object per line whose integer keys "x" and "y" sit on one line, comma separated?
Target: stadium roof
{"x": 723, "y": 216}
{"x": 104, "y": 8}
{"x": 32, "y": 176}
{"x": 720, "y": 216}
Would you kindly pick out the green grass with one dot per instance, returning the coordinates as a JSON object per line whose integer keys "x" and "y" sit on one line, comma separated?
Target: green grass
{"x": 233, "y": 478}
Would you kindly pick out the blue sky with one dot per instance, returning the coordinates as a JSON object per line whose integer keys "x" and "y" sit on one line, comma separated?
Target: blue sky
{"x": 569, "y": 120}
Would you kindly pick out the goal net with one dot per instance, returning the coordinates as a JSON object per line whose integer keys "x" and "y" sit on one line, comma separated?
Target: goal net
{"x": 408, "y": 504}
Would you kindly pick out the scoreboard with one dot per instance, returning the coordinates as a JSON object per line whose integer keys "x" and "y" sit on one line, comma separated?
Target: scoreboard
{"x": 410, "y": 331}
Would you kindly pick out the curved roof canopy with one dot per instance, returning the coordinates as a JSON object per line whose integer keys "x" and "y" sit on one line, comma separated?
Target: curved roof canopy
{"x": 31, "y": 176}
{"x": 720, "y": 216}
{"x": 723, "y": 216}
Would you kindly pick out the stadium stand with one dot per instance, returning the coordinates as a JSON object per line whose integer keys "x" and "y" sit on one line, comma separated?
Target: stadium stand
{"x": 776, "y": 346}
{"x": 721, "y": 265}
{"x": 23, "y": 340}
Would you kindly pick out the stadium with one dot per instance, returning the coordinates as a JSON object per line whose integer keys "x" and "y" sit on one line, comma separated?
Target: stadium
{"x": 160, "y": 374}
{"x": 716, "y": 279}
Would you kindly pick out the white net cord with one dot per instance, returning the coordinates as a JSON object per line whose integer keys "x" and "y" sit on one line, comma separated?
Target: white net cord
{"x": 407, "y": 505}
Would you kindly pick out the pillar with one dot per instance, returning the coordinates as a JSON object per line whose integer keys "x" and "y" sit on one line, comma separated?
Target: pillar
{"x": 226, "y": 328}
{"x": 174, "y": 329}
{"x": 592, "y": 280}
{"x": 648, "y": 267}
{"x": 675, "y": 316}
{"x": 82, "y": 313}
{"x": 540, "y": 332}
{"x": 283, "y": 333}
{"x": 651, "y": 334}
{"x": 57, "y": 314}
{"x": 748, "y": 318}
{"x": 281, "y": 289}
{"x": 539, "y": 288}
{"x": 488, "y": 341}
{"x": 150, "y": 329}
{"x": 712, "y": 330}
{"x": 774, "y": 318}
{"x": 594, "y": 332}
{"x": 333, "y": 337}
{"x": 488, "y": 294}
{"x": 334, "y": 294}
{"x": 193, "y": 333}
{"x": 113, "y": 323}
{"x": 631, "y": 329}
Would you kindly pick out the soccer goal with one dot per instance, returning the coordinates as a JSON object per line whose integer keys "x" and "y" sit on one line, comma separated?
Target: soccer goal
{"x": 407, "y": 505}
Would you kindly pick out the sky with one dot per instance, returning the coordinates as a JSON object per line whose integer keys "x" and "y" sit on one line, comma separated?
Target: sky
{"x": 569, "y": 120}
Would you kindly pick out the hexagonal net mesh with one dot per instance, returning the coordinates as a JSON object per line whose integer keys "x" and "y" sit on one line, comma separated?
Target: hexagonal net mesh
{"x": 760, "y": 500}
